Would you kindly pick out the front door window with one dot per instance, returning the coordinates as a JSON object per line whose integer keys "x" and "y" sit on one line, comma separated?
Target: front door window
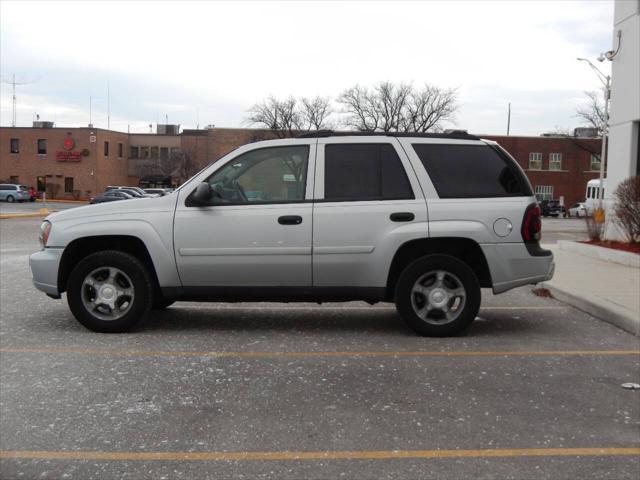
{"x": 266, "y": 175}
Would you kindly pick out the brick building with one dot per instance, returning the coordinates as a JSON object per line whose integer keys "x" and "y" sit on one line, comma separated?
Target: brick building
{"x": 79, "y": 162}
{"x": 557, "y": 166}
{"x": 64, "y": 162}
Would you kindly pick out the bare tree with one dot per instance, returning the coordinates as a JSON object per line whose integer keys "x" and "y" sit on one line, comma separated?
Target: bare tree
{"x": 389, "y": 107}
{"x": 186, "y": 164}
{"x": 360, "y": 106}
{"x": 314, "y": 113}
{"x": 429, "y": 108}
{"x": 180, "y": 164}
{"x": 593, "y": 111}
{"x": 280, "y": 116}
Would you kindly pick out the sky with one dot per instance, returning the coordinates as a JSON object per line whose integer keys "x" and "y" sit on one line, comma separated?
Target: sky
{"x": 202, "y": 63}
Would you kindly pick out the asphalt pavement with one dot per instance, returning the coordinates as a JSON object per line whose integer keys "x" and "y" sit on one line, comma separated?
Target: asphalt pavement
{"x": 531, "y": 391}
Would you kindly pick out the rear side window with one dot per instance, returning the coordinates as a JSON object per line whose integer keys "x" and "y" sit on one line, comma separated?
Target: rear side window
{"x": 471, "y": 171}
{"x": 364, "y": 171}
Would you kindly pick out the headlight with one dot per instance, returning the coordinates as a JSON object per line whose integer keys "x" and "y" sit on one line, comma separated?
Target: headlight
{"x": 45, "y": 230}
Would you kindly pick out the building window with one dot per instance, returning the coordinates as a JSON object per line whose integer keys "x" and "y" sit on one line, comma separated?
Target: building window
{"x": 68, "y": 184}
{"x": 544, "y": 192}
{"x": 154, "y": 152}
{"x": 134, "y": 152}
{"x": 595, "y": 162}
{"x": 106, "y": 149}
{"x": 555, "y": 161}
{"x": 174, "y": 151}
{"x": 535, "y": 161}
{"x": 120, "y": 149}
{"x": 15, "y": 145}
{"x": 144, "y": 152}
{"x": 42, "y": 146}
{"x": 42, "y": 184}
{"x": 164, "y": 153}
{"x": 14, "y": 179}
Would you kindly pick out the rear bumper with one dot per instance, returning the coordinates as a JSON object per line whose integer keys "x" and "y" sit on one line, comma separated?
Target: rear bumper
{"x": 511, "y": 265}
{"x": 44, "y": 269}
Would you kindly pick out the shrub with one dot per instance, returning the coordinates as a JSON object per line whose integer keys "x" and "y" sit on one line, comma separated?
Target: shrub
{"x": 627, "y": 208}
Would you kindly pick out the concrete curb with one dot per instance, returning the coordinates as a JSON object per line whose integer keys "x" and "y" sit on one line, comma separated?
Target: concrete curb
{"x": 602, "y": 309}
{"x": 627, "y": 259}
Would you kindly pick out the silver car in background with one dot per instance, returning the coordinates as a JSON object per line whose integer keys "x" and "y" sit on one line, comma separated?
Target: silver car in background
{"x": 14, "y": 193}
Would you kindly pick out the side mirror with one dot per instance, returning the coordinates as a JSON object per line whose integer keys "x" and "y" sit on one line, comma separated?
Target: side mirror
{"x": 203, "y": 192}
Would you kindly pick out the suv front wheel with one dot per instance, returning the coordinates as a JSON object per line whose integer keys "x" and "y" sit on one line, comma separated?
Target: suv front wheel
{"x": 109, "y": 291}
{"x": 438, "y": 295}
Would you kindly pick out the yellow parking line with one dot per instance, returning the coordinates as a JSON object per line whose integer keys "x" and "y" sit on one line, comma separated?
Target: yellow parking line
{"x": 5, "y": 216}
{"x": 272, "y": 354}
{"x": 319, "y": 455}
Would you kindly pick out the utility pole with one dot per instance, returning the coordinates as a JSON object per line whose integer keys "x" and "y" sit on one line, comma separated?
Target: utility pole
{"x": 606, "y": 82}
{"x": 108, "y": 107}
{"x": 509, "y": 119}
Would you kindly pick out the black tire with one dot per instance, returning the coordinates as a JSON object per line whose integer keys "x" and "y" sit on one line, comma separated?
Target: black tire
{"x": 161, "y": 304}
{"x": 140, "y": 280}
{"x": 10, "y": 199}
{"x": 455, "y": 271}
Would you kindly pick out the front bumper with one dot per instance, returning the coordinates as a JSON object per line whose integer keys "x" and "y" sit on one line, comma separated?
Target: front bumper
{"x": 44, "y": 269}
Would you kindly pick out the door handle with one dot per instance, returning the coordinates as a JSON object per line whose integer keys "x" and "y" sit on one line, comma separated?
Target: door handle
{"x": 290, "y": 220}
{"x": 402, "y": 217}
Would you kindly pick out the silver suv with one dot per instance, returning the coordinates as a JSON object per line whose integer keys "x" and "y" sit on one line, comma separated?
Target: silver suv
{"x": 424, "y": 221}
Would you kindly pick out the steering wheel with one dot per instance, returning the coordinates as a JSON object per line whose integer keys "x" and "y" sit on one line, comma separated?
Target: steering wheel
{"x": 234, "y": 186}
{"x": 240, "y": 189}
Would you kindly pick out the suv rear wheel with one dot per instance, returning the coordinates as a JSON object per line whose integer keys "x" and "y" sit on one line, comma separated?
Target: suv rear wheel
{"x": 438, "y": 295}
{"x": 109, "y": 291}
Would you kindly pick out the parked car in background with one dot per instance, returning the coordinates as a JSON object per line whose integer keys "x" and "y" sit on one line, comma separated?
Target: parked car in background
{"x": 157, "y": 191}
{"x": 10, "y": 192}
{"x": 578, "y": 210}
{"x": 332, "y": 217}
{"x": 111, "y": 196}
{"x": 135, "y": 191}
{"x": 552, "y": 208}
{"x": 33, "y": 194}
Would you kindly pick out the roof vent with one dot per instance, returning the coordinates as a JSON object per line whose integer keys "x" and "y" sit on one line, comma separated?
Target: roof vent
{"x": 165, "y": 129}
{"x": 42, "y": 124}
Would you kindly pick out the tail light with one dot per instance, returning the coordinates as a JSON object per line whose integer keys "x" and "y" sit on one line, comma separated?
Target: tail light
{"x": 531, "y": 224}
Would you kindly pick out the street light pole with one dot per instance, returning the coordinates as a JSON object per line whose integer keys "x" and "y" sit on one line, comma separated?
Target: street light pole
{"x": 606, "y": 82}
{"x": 605, "y": 138}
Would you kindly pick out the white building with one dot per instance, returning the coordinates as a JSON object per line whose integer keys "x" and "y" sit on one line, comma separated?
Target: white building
{"x": 624, "y": 152}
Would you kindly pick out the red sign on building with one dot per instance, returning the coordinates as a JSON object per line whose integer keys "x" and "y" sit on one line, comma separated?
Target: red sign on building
{"x": 68, "y": 154}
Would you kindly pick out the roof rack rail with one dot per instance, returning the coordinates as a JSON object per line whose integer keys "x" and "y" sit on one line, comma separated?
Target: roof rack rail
{"x": 453, "y": 134}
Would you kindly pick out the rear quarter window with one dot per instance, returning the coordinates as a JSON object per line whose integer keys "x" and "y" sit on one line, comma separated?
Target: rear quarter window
{"x": 472, "y": 171}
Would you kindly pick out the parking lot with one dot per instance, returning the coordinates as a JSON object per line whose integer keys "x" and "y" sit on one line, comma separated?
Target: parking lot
{"x": 532, "y": 391}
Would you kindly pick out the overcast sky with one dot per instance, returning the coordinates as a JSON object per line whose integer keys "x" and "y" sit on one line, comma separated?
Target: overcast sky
{"x": 208, "y": 62}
